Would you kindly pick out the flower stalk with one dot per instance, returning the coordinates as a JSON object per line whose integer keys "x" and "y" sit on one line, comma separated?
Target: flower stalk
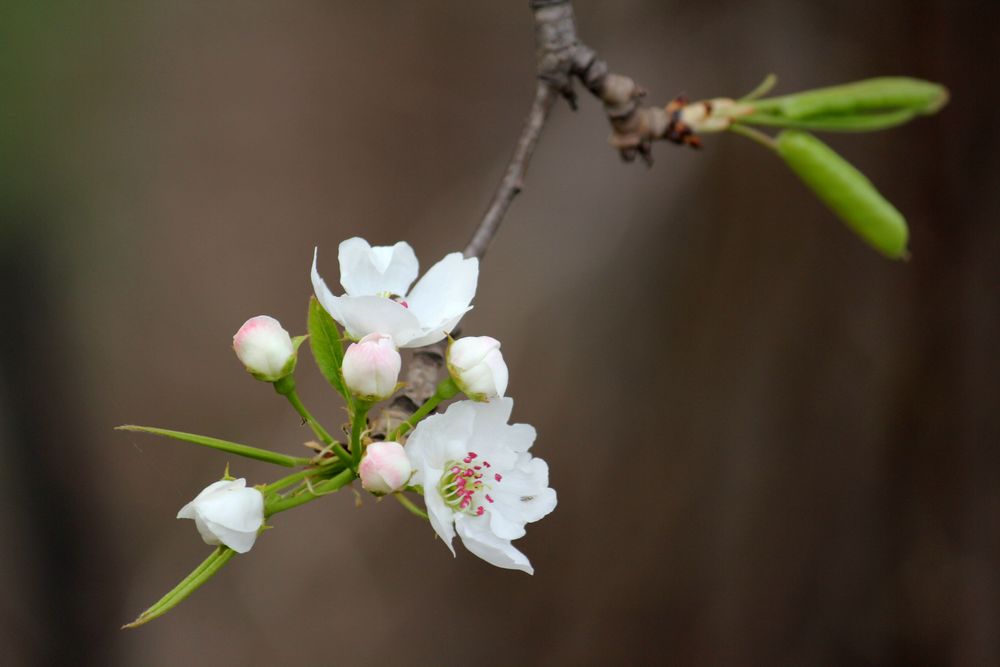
{"x": 445, "y": 390}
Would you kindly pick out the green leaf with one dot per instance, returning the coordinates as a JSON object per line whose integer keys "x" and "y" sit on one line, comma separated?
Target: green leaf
{"x": 846, "y": 191}
{"x": 863, "y": 123}
{"x": 222, "y": 445}
{"x": 208, "y": 569}
{"x": 327, "y": 348}
{"x": 887, "y": 93}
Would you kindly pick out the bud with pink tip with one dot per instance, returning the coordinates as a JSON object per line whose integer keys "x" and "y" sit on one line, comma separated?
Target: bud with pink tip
{"x": 477, "y": 367}
{"x": 265, "y": 348}
{"x": 385, "y": 468}
{"x": 371, "y": 367}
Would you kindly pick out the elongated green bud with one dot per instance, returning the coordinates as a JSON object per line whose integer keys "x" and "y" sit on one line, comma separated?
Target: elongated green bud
{"x": 887, "y": 93}
{"x": 846, "y": 191}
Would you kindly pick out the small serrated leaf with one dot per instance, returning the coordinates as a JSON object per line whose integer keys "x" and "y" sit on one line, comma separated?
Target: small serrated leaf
{"x": 327, "y": 348}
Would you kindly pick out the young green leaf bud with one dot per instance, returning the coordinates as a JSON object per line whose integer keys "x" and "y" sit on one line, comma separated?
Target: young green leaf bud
{"x": 846, "y": 191}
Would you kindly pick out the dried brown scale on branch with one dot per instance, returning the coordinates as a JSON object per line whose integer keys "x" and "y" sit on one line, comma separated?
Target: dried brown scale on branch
{"x": 563, "y": 56}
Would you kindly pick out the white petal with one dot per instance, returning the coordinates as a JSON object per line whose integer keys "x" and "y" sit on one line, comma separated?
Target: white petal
{"x": 539, "y": 505}
{"x": 235, "y": 509}
{"x": 205, "y": 531}
{"x": 238, "y": 541}
{"x": 440, "y": 439}
{"x": 365, "y": 270}
{"x": 436, "y": 332}
{"x": 444, "y": 293}
{"x": 363, "y": 315}
{"x": 441, "y": 516}
{"x": 189, "y": 510}
{"x": 478, "y": 539}
{"x": 323, "y": 293}
{"x": 504, "y": 524}
{"x": 498, "y": 367}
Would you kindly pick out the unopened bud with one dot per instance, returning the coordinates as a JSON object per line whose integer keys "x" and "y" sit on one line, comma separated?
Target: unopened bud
{"x": 265, "y": 348}
{"x": 371, "y": 367}
{"x": 478, "y": 368}
{"x": 385, "y": 468}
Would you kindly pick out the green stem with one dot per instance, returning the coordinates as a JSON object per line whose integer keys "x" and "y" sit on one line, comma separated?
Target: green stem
{"x": 358, "y": 423}
{"x": 208, "y": 569}
{"x": 754, "y": 135}
{"x": 338, "y": 481}
{"x": 409, "y": 505}
{"x": 286, "y": 387}
{"x": 296, "y": 477}
{"x": 444, "y": 391}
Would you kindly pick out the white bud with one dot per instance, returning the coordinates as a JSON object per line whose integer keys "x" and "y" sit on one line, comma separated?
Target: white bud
{"x": 385, "y": 468}
{"x": 478, "y": 368}
{"x": 227, "y": 512}
{"x": 371, "y": 367}
{"x": 265, "y": 348}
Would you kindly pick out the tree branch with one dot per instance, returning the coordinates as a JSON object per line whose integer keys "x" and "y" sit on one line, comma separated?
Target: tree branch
{"x": 561, "y": 57}
{"x": 513, "y": 179}
{"x": 564, "y": 57}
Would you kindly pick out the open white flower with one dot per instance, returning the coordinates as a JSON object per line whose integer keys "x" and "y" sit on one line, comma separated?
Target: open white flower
{"x": 479, "y": 480}
{"x": 376, "y": 280}
{"x": 227, "y": 512}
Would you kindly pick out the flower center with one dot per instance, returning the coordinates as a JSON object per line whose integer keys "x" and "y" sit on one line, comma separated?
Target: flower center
{"x": 466, "y": 484}
{"x": 395, "y": 297}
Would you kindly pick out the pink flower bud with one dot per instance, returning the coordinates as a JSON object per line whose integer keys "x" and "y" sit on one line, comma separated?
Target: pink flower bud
{"x": 385, "y": 468}
{"x": 478, "y": 368}
{"x": 371, "y": 367}
{"x": 265, "y": 348}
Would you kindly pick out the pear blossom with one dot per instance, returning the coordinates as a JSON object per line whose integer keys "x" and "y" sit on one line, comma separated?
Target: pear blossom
{"x": 265, "y": 348}
{"x": 371, "y": 367}
{"x": 378, "y": 297}
{"x": 227, "y": 512}
{"x": 385, "y": 468}
{"x": 478, "y": 368}
{"x": 479, "y": 479}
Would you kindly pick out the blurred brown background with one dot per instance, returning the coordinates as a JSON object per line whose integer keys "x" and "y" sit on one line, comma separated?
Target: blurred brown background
{"x": 771, "y": 446}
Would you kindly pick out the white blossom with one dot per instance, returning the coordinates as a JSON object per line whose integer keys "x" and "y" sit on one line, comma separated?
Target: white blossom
{"x": 265, "y": 348}
{"x": 384, "y": 468}
{"x": 478, "y": 368}
{"x": 378, "y": 298}
{"x": 371, "y": 367}
{"x": 479, "y": 480}
{"x": 227, "y": 512}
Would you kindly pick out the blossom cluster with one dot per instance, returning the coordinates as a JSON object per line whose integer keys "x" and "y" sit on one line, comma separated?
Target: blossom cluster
{"x": 474, "y": 469}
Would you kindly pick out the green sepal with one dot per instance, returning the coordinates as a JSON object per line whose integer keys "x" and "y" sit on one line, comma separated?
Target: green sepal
{"x": 327, "y": 347}
{"x": 208, "y": 569}
{"x": 222, "y": 445}
{"x": 846, "y": 191}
